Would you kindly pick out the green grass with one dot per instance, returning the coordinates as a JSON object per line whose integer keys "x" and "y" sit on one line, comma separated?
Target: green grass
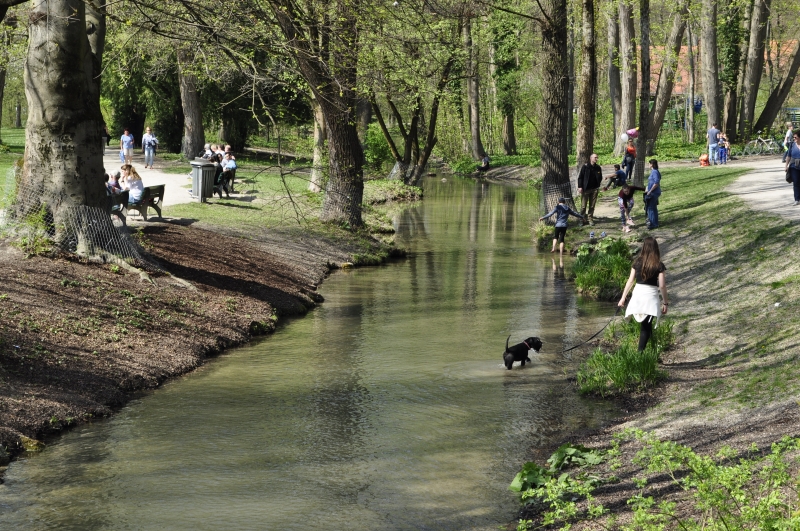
{"x": 623, "y": 369}
{"x": 602, "y": 269}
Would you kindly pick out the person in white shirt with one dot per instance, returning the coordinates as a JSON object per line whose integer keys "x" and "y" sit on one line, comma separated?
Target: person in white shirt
{"x": 149, "y": 144}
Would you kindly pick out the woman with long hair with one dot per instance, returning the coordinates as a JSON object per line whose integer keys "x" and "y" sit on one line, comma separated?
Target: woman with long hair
{"x": 648, "y": 273}
{"x": 132, "y": 181}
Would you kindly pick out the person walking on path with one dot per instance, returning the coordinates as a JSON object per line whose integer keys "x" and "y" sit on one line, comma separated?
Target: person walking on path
{"x": 648, "y": 273}
{"x": 589, "y": 180}
{"x": 149, "y": 143}
{"x": 651, "y": 194}
{"x": 563, "y": 213}
{"x": 713, "y": 144}
{"x": 126, "y": 146}
{"x": 792, "y": 160}
{"x": 788, "y": 137}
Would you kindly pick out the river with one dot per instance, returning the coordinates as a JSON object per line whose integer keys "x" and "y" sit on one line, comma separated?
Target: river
{"x": 387, "y": 407}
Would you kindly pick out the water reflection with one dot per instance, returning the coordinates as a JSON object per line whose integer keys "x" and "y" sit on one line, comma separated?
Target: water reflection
{"x": 387, "y": 407}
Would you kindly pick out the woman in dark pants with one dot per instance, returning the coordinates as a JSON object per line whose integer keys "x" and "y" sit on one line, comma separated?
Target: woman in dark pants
{"x": 792, "y": 160}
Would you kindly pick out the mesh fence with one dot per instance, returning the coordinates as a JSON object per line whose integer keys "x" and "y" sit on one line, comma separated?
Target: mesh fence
{"x": 86, "y": 231}
{"x": 551, "y": 192}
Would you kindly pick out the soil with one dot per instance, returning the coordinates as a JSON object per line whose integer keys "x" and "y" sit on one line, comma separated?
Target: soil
{"x": 78, "y": 339}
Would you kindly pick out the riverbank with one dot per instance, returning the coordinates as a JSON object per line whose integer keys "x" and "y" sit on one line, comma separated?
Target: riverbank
{"x": 733, "y": 375}
{"x": 78, "y": 340}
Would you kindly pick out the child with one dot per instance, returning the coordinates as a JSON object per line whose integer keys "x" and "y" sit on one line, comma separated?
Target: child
{"x": 562, "y": 212}
{"x": 648, "y": 272}
{"x": 625, "y": 201}
{"x": 723, "y": 147}
{"x": 629, "y": 158}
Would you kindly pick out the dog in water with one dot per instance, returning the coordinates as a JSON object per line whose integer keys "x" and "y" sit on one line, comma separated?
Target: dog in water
{"x": 519, "y": 352}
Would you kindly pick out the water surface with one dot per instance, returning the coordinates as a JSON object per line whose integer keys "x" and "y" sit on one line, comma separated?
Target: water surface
{"x": 387, "y": 407}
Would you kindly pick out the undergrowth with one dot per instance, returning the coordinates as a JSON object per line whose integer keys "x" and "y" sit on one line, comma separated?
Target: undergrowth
{"x": 728, "y": 491}
{"x": 602, "y": 269}
{"x": 624, "y": 369}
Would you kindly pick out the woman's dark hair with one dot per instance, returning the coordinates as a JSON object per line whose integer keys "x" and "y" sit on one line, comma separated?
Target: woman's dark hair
{"x": 654, "y": 162}
{"x": 106, "y": 177}
{"x": 649, "y": 260}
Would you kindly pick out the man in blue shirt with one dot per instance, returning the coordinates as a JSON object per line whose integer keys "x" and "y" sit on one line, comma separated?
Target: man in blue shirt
{"x": 713, "y": 144}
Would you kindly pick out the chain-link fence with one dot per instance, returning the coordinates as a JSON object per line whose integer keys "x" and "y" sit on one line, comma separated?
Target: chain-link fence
{"x": 86, "y": 231}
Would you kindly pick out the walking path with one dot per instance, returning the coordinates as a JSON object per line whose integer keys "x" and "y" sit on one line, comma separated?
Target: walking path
{"x": 174, "y": 191}
{"x": 765, "y": 187}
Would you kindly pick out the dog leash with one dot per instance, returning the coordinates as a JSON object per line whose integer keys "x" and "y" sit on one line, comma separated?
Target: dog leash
{"x": 598, "y": 332}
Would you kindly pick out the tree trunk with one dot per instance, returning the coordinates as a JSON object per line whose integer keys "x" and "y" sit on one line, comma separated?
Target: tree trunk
{"x": 614, "y": 81}
{"x": 588, "y": 86}
{"x": 509, "y": 134}
{"x": 571, "y": 90}
{"x": 627, "y": 37}
{"x": 779, "y": 94}
{"x": 733, "y": 134}
{"x": 193, "y": 133}
{"x": 644, "y": 91}
{"x": 63, "y": 153}
{"x": 473, "y": 93}
{"x": 666, "y": 78}
{"x": 709, "y": 64}
{"x": 553, "y": 108}
{"x": 755, "y": 66}
{"x": 320, "y": 135}
{"x": 690, "y": 119}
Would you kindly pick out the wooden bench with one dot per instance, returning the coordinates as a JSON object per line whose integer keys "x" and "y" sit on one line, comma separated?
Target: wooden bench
{"x": 152, "y": 196}
{"x": 118, "y": 204}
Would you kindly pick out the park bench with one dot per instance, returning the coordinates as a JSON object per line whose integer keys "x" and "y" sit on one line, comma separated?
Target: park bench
{"x": 118, "y": 204}
{"x": 152, "y": 196}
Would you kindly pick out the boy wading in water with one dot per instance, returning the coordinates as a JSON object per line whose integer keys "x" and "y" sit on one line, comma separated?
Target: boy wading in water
{"x": 562, "y": 212}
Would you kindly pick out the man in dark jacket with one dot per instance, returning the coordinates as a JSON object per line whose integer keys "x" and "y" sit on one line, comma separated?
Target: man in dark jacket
{"x": 589, "y": 180}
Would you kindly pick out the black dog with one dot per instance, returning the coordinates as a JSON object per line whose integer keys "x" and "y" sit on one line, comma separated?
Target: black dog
{"x": 519, "y": 352}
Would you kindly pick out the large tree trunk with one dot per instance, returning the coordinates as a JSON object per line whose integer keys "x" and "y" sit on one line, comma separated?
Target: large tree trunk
{"x": 614, "y": 81}
{"x": 779, "y": 94}
{"x": 63, "y": 153}
{"x": 588, "y": 86}
{"x": 666, "y": 78}
{"x": 755, "y": 66}
{"x": 733, "y": 134}
{"x": 193, "y": 133}
{"x": 473, "y": 93}
{"x": 571, "y": 90}
{"x": 709, "y": 64}
{"x": 627, "y": 37}
{"x": 320, "y": 135}
{"x": 644, "y": 91}
{"x": 553, "y": 108}
{"x": 692, "y": 75}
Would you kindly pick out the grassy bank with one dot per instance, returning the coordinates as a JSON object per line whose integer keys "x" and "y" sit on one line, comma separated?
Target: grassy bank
{"x": 732, "y": 377}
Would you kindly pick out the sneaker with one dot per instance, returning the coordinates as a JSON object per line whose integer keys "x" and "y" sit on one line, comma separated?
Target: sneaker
{"x": 630, "y": 222}
{"x": 796, "y": 203}
{"x": 591, "y": 235}
{"x": 603, "y": 234}
{"x": 626, "y": 229}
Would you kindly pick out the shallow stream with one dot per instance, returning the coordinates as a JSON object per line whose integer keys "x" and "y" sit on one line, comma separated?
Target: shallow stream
{"x": 387, "y": 407}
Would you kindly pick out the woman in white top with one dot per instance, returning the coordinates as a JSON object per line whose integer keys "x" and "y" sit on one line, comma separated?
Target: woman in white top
{"x": 133, "y": 182}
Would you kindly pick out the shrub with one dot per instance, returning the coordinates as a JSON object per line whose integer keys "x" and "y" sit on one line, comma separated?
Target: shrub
{"x": 601, "y": 270}
{"x": 377, "y": 154}
{"x": 625, "y": 369}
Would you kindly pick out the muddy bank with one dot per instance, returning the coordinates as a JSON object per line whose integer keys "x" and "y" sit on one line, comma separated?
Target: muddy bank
{"x": 78, "y": 340}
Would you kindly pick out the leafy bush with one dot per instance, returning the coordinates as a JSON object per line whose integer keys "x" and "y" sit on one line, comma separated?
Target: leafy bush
{"x": 602, "y": 269}
{"x": 377, "y": 154}
{"x": 625, "y": 369}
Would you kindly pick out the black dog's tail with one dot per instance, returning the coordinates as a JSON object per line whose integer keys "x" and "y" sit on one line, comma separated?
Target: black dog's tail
{"x": 509, "y": 337}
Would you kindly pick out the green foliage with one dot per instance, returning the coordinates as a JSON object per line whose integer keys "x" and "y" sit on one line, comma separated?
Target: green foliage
{"x": 32, "y": 233}
{"x": 602, "y": 269}
{"x": 625, "y": 369}
{"x": 568, "y": 455}
{"x": 729, "y": 492}
{"x": 377, "y": 153}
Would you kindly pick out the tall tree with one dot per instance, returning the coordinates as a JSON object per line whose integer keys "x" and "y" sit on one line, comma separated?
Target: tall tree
{"x": 644, "y": 91}
{"x": 755, "y": 66}
{"x": 588, "y": 85}
{"x": 692, "y": 77}
{"x": 709, "y": 64}
{"x": 779, "y": 94}
{"x": 193, "y": 132}
{"x": 506, "y": 32}
{"x": 627, "y": 38}
{"x": 730, "y": 36}
{"x": 473, "y": 92}
{"x": 553, "y": 108}
{"x": 666, "y": 78}
{"x": 614, "y": 81}
{"x": 63, "y": 154}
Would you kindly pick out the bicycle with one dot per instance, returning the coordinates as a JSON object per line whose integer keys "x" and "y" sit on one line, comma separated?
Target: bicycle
{"x": 765, "y": 146}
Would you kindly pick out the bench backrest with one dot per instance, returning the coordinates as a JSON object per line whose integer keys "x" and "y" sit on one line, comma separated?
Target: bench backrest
{"x": 152, "y": 192}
